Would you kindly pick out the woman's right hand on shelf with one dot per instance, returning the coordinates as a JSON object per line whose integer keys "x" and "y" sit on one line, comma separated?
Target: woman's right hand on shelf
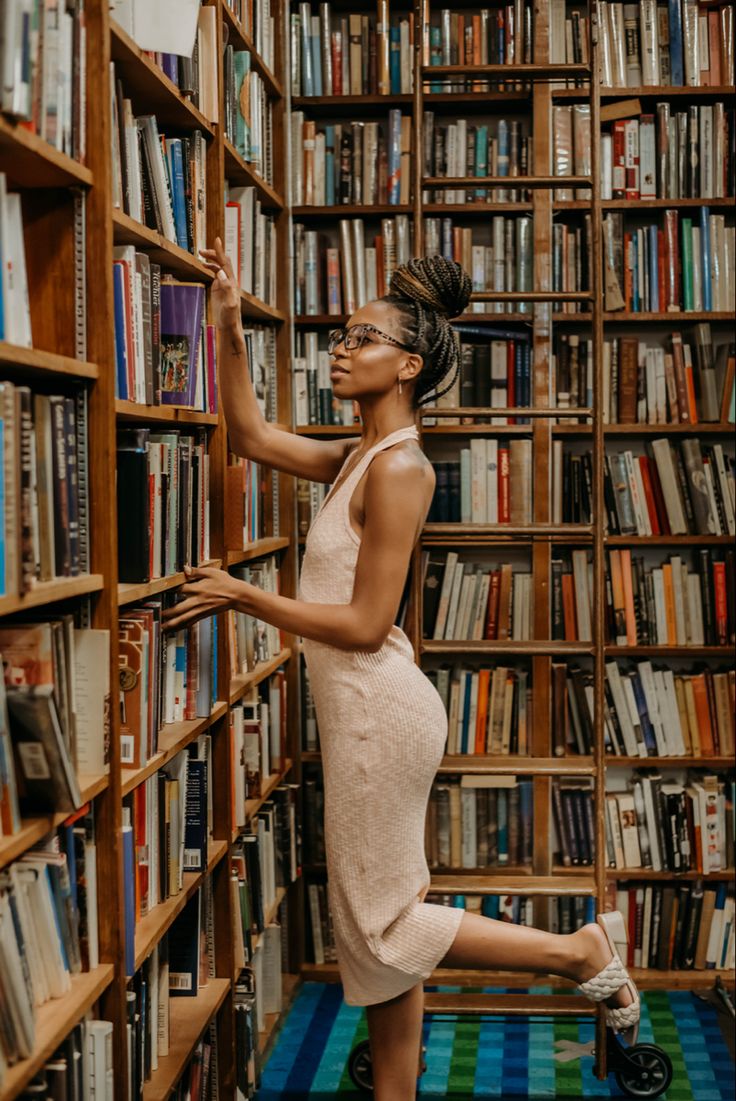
{"x": 225, "y": 296}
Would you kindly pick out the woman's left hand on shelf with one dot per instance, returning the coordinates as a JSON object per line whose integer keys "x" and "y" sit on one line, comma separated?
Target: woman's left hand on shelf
{"x": 207, "y": 590}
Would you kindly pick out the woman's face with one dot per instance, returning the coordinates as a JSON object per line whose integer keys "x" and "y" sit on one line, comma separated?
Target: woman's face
{"x": 375, "y": 367}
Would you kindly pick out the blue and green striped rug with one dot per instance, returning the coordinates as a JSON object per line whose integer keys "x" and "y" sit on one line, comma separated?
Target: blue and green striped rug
{"x": 493, "y": 1057}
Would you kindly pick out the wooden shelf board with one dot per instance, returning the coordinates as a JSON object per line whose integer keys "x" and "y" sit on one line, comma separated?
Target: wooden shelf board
{"x": 511, "y": 765}
{"x": 252, "y": 806}
{"x": 238, "y": 169}
{"x": 676, "y": 317}
{"x": 54, "y": 1021}
{"x": 339, "y": 105}
{"x": 171, "y": 257}
{"x": 153, "y": 925}
{"x": 51, "y": 592}
{"x": 698, "y": 429}
{"x": 239, "y": 685}
{"x": 648, "y": 978}
{"x": 243, "y": 41}
{"x": 171, "y": 740}
{"x": 553, "y": 647}
{"x": 663, "y": 204}
{"x": 671, "y": 651}
{"x": 189, "y": 1017}
{"x": 29, "y": 161}
{"x": 482, "y": 207}
{"x": 650, "y": 875}
{"x": 252, "y": 307}
{"x": 573, "y": 883}
{"x": 34, "y": 828}
{"x": 130, "y": 592}
{"x": 662, "y": 92}
{"x": 257, "y": 549}
{"x": 347, "y": 210}
{"x": 14, "y": 359}
{"x": 671, "y": 762}
{"x": 572, "y": 533}
{"x": 163, "y": 414}
{"x": 149, "y": 88}
{"x": 668, "y": 540}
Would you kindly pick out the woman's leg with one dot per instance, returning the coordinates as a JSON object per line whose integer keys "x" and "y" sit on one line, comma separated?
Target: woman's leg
{"x": 395, "y": 1031}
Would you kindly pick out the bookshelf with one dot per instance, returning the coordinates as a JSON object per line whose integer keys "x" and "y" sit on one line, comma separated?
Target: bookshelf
{"x": 533, "y": 90}
{"x": 67, "y": 354}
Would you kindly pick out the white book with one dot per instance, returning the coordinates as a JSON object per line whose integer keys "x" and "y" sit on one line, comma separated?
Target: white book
{"x": 445, "y": 593}
{"x": 491, "y": 450}
{"x": 92, "y": 699}
{"x": 677, "y": 588}
{"x": 457, "y": 583}
{"x": 651, "y": 820}
{"x": 469, "y": 855}
{"x": 646, "y": 677}
{"x": 481, "y": 606}
{"x": 14, "y": 289}
{"x": 615, "y": 683}
{"x": 673, "y": 726}
{"x": 670, "y": 487}
{"x": 467, "y": 588}
{"x": 582, "y": 594}
{"x": 478, "y": 481}
{"x": 647, "y": 158}
{"x": 613, "y": 823}
{"x": 633, "y": 712}
{"x": 649, "y": 41}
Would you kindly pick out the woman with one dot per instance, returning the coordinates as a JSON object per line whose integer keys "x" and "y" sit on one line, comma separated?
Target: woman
{"x": 382, "y": 724}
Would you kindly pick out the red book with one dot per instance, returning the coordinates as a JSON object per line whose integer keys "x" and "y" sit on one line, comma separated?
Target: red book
{"x": 380, "y": 269}
{"x": 336, "y": 42}
{"x": 663, "y": 522}
{"x": 493, "y": 593}
{"x": 720, "y": 599}
{"x": 619, "y": 159}
{"x": 504, "y": 500}
{"x": 649, "y": 494}
{"x": 568, "y": 608}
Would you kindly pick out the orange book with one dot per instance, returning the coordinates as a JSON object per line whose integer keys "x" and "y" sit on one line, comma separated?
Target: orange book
{"x": 617, "y": 595}
{"x": 684, "y": 717}
{"x": 631, "y": 633}
{"x": 504, "y": 601}
{"x": 457, "y": 244}
{"x": 568, "y": 607}
{"x": 484, "y": 682}
{"x": 690, "y": 384}
{"x": 702, "y": 714}
{"x": 504, "y": 500}
{"x": 669, "y": 604}
{"x": 692, "y": 718}
{"x": 477, "y": 58}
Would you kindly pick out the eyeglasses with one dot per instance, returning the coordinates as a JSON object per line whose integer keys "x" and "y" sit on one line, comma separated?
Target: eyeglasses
{"x": 355, "y": 336}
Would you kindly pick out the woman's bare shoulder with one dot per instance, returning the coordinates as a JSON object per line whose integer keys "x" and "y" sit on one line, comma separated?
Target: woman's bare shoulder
{"x": 404, "y": 462}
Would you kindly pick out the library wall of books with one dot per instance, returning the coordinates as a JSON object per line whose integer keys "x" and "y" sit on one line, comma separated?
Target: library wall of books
{"x": 163, "y": 880}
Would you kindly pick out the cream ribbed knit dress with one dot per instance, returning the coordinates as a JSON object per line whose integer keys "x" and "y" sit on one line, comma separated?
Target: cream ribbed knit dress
{"x": 382, "y": 730}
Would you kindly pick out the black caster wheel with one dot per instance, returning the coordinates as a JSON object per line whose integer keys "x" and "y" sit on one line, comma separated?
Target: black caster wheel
{"x": 648, "y": 1071}
{"x": 360, "y": 1067}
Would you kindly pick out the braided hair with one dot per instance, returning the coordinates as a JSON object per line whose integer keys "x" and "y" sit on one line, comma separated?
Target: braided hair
{"x": 426, "y": 293}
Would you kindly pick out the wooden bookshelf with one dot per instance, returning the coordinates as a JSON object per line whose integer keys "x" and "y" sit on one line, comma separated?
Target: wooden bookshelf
{"x": 51, "y": 178}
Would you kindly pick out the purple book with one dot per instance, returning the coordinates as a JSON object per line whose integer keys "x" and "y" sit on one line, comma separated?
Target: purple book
{"x": 182, "y": 305}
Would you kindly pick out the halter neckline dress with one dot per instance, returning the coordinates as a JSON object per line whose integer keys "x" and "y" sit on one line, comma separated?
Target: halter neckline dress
{"x": 382, "y": 729}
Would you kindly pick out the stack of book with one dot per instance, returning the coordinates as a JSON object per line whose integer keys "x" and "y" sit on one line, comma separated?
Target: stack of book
{"x": 574, "y": 824}
{"x": 572, "y": 597}
{"x": 655, "y": 712}
{"x": 571, "y": 376}
{"x": 314, "y": 401}
{"x": 320, "y": 920}
{"x": 257, "y": 21}
{"x": 572, "y": 709}
{"x": 490, "y": 36}
{"x": 671, "y": 604}
{"x": 248, "y": 112}
{"x": 44, "y": 487}
{"x": 480, "y": 822}
{"x": 15, "y": 308}
{"x": 489, "y": 710}
{"x": 338, "y": 280}
{"x": 258, "y": 728}
{"x": 674, "y": 489}
{"x": 462, "y": 148}
{"x": 362, "y": 163}
{"x": 468, "y": 600}
{"x": 165, "y": 350}
{"x": 571, "y": 147}
{"x": 250, "y": 243}
{"x": 164, "y": 495}
{"x": 166, "y": 676}
{"x": 648, "y": 384}
{"x": 251, "y": 640}
{"x": 495, "y": 484}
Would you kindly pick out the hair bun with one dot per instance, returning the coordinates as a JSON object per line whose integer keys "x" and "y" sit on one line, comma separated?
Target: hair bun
{"x": 437, "y": 283}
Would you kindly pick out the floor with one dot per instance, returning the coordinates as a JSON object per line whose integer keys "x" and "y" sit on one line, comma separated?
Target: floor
{"x": 493, "y": 1057}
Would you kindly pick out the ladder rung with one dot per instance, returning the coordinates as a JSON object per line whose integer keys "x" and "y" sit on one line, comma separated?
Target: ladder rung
{"x": 500, "y": 884}
{"x": 508, "y": 183}
{"x": 555, "y": 1005}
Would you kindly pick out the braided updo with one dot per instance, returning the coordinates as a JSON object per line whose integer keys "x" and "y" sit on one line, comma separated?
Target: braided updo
{"x": 426, "y": 293}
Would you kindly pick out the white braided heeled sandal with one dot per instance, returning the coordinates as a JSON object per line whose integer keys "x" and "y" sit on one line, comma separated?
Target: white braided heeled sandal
{"x": 623, "y": 1019}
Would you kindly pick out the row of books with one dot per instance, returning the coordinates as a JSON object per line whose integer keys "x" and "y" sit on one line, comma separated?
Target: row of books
{"x": 573, "y": 820}
{"x": 646, "y": 384}
{"x": 495, "y": 485}
{"x": 314, "y": 401}
{"x": 354, "y": 162}
{"x": 677, "y": 926}
{"x": 256, "y": 19}
{"x": 247, "y": 516}
{"x": 248, "y": 112}
{"x": 659, "y": 712}
{"x": 48, "y": 928}
{"x": 569, "y": 39}
{"x": 489, "y": 710}
{"x": 480, "y": 822}
{"x": 195, "y": 76}
{"x": 349, "y": 54}
{"x": 490, "y": 36}
{"x": 571, "y": 146}
{"x": 467, "y": 600}
{"x": 45, "y": 80}
{"x": 495, "y": 371}
{"x": 54, "y": 715}
{"x": 165, "y": 352}
{"x": 664, "y": 155}
{"x": 169, "y": 820}
{"x": 571, "y": 252}
{"x": 80, "y": 1069}
{"x": 159, "y": 181}
{"x": 339, "y": 278}
{"x": 251, "y": 640}
{"x": 675, "y": 44}
{"x": 670, "y": 826}
{"x": 670, "y": 604}
{"x": 462, "y": 148}
{"x": 250, "y": 243}
{"x": 44, "y": 487}
{"x": 15, "y": 309}
{"x": 673, "y": 489}
{"x": 163, "y": 491}
{"x": 677, "y": 266}
{"x": 258, "y": 730}
{"x": 166, "y": 676}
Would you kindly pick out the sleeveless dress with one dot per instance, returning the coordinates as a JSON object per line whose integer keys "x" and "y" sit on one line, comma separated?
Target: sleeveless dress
{"x": 382, "y": 728}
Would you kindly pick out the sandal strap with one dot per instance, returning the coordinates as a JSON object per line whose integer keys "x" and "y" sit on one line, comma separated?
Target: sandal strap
{"x": 623, "y": 1016}
{"x": 608, "y": 980}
